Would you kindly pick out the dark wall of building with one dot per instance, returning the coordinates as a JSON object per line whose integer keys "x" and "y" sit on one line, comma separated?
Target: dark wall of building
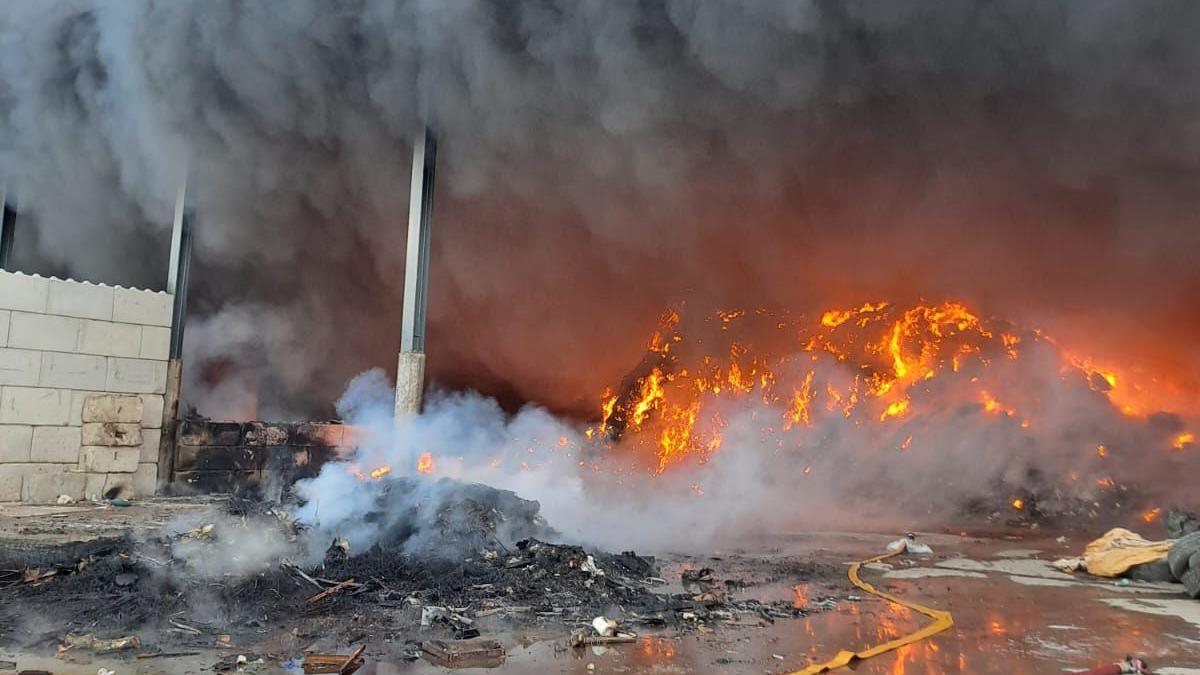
{"x": 255, "y": 456}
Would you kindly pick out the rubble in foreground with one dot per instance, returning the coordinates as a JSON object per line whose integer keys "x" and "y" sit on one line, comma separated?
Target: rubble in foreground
{"x": 121, "y": 587}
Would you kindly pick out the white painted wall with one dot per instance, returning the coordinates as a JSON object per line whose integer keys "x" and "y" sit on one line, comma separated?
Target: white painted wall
{"x": 83, "y": 368}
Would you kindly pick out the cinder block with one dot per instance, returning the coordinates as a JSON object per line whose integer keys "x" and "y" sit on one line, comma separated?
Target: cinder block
{"x": 202, "y": 432}
{"x": 112, "y": 434}
{"x": 20, "y": 366}
{"x": 220, "y": 458}
{"x": 131, "y": 305}
{"x": 73, "y": 371}
{"x": 106, "y": 338}
{"x": 150, "y": 442}
{"x": 93, "y": 485}
{"x": 112, "y": 408}
{"x": 77, "y": 399}
{"x": 55, "y": 445}
{"x": 81, "y": 299}
{"x": 311, "y": 433}
{"x": 136, "y": 376}
{"x": 23, "y": 292}
{"x": 156, "y": 343}
{"x": 152, "y": 411}
{"x": 5, "y": 318}
{"x": 219, "y": 481}
{"x": 145, "y": 480}
{"x": 109, "y": 460}
{"x": 45, "y": 486}
{"x": 140, "y": 483}
{"x": 119, "y": 485}
{"x": 11, "y": 478}
{"x": 43, "y": 331}
{"x": 15, "y": 441}
{"x": 264, "y": 433}
{"x": 34, "y": 405}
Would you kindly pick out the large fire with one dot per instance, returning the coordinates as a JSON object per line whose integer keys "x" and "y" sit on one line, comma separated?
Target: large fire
{"x": 876, "y": 363}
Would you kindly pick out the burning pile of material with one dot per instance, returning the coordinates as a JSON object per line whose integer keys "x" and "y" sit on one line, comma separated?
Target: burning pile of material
{"x": 932, "y": 383}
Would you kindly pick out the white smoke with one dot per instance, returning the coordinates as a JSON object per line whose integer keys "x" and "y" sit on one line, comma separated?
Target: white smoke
{"x": 765, "y": 478}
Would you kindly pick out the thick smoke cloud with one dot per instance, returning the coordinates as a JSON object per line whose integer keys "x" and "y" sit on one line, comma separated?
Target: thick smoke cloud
{"x": 600, "y": 161}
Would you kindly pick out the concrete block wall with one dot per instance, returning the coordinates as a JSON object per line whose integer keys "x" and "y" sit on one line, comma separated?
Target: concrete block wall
{"x": 236, "y": 456}
{"x": 83, "y": 369}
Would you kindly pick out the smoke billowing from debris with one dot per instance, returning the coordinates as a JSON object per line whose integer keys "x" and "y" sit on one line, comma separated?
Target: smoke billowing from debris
{"x": 966, "y": 465}
{"x": 601, "y": 161}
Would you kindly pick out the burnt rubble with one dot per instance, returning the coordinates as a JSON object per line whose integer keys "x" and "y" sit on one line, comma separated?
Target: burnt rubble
{"x": 484, "y": 557}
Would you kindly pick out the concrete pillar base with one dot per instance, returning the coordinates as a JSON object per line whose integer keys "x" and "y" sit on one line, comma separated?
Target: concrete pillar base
{"x": 410, "y": 383}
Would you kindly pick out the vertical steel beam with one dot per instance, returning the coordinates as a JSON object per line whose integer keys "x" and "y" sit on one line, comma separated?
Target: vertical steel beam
{"x": 416, "y": 265}
{"x": 177, "y": 286}
{"x": 410, "y": 367}
{"x": 8, "y": 225}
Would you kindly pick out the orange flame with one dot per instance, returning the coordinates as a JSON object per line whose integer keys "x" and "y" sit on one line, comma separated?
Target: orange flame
{"x": 425, "y": 463}
{"x": 881, "y": 352}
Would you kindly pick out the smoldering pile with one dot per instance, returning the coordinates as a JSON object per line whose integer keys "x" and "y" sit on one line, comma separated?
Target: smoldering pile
{"x": 481, "y": 562}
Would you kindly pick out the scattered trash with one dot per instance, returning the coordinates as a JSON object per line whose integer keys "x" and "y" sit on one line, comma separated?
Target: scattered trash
{"x": 334, "y": 663}
{"x": 607, "y": 633}
{"x": 332, "y": 590}
{"x": 63, "y": 500}
{"x": 202, "y": 532}
{"x": 908, "y": 543}
{"x": 1122, "y": 582}
{"x": 119, "y": 503}
{"x": 589, "y": 566}
{"x": 1114, "y": 553}
{"x": 582, "y": 639}
{"x": 463, "y": 653}
{"x": 106, "y": 671}
{"x": 432, "y": 614}
{"x": 237, "y": 663}
{"x": 1131, "y": 664}
{"x": 604, "y": 626}
{"x": 100, "y": 646}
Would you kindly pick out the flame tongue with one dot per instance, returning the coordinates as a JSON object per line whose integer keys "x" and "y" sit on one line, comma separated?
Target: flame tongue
{"x": 874, "y": 364}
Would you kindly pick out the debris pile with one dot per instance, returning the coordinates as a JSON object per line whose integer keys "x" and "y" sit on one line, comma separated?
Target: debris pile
{"x": 475, "y": 561}
{"x": 1121, "y": 552}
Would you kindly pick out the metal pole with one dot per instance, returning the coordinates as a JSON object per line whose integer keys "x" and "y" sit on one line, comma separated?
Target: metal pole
{"x": 410, "y": 368}
{"x": 416, "y": 266}
{"x": 8, "y": 225}
{"x": 177, "y": 286}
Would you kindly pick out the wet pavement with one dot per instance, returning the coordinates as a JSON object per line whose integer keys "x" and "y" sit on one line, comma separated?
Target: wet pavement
{"x": 1013, "y": 614}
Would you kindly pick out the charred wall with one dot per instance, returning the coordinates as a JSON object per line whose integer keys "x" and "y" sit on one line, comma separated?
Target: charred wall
{"x": 267, "y": 456}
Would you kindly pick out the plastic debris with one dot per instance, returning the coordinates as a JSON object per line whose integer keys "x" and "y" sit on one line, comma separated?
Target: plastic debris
{"x": 908, "y": 544}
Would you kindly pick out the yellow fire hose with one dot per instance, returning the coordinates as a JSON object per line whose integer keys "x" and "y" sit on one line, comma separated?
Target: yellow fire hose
{"x": 941, "y": 621}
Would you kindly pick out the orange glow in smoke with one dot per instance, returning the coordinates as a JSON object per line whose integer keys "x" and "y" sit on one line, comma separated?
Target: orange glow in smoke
{"x": 381, "y": 472}
{"x": 874, "y": 362}
{"x": 1151, "y": 515}
{"x": 425, "y": 463}
{"x": 1018, "y": 504}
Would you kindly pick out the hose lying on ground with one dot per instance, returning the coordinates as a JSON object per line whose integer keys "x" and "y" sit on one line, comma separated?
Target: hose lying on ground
{"x": 941, "y": 621}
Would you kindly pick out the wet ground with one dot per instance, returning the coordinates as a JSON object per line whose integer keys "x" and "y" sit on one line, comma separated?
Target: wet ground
{"x": 1013, "y": 614}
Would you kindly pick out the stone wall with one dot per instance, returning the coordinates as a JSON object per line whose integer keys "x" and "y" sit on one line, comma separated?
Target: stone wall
{"x": 236, "y": 456}
{"x": 83, "y": 368}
